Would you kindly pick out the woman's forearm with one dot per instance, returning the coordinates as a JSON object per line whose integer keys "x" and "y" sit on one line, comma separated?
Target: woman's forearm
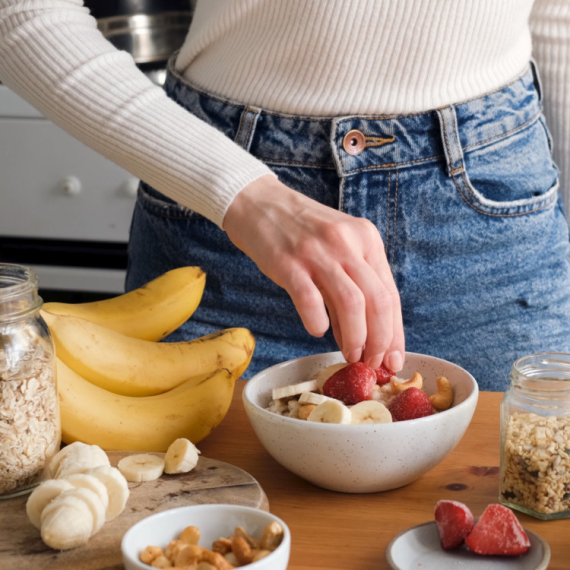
{"x": 52, "y": 54}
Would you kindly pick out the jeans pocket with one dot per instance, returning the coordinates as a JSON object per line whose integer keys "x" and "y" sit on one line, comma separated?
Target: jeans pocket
{"x": 511, "y": 176}
{"x": 156, "y": 203}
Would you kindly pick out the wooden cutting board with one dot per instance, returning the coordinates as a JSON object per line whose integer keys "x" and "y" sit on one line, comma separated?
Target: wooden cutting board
{"x": 212, "y": 481}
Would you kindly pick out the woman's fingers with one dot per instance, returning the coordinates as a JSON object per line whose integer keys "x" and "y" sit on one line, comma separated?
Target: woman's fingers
{"x": 309, "y": 303}
{"x": 379, "y": 313}
{"x": 393, "y": 356}
{"x": 347, "y": 301}
{"x": 322, "y": 256}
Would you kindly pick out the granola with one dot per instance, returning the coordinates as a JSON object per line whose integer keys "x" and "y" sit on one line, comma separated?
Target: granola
{"x": 29, "y": 413}
{"x": 536, "y": 462}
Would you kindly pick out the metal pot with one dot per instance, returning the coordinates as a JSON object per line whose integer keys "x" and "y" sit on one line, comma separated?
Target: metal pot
{"x": 150, "y": 30}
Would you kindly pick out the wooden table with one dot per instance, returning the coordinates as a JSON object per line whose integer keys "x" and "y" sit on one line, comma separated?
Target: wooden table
{"x": 350, "y": 532}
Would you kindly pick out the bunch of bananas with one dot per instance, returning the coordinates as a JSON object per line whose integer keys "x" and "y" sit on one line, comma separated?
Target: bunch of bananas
{"x": 119, "y": 388}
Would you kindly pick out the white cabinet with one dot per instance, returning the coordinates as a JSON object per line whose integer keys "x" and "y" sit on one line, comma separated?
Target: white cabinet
{"x": 53, "y": 187}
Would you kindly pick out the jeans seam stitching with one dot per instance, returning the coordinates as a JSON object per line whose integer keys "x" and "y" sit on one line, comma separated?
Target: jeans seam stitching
{"x": 545, "y": 205}
{"x": 391, "y": 165}
{"x": 294, "y": 163}
{"x": 504, "y": 135}
{"x": 388, "y": 212}
{"x": 395, "y": 217}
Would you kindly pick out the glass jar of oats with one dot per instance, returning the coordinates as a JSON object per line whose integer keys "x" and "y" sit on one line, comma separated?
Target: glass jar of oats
{"x": 30, "y": 432}
{"x": 535, "y": 437}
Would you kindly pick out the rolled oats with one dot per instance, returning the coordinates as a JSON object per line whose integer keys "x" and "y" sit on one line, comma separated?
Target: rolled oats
{"x": 29, "y": 412}
{"x": 536, "y": 462}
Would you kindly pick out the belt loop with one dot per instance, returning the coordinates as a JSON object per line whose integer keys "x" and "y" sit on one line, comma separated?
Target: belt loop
{"x": 536, "y": 79}
{"x": 246, "y": 128}
{"x": 450, "y": 139}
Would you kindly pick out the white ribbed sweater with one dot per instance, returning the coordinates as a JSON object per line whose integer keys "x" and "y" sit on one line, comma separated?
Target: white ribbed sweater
{"x": 311, "y": 57}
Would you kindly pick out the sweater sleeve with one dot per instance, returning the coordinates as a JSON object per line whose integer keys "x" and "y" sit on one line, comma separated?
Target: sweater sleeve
{"x": 550, "y": 27}
{"x": 52, "y": 54}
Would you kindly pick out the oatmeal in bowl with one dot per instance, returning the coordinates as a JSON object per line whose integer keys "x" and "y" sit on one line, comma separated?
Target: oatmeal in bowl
{"x": 358, "y": 454}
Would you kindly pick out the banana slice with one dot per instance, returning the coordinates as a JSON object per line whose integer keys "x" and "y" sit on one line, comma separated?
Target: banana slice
{"x": 84, "y": 481}
{"x": 95, "y": 505}
{"x": 313, "y": 398}
{"x": 331, "y": 412}
{"x": 294, "y": 389}
{"x": 80, "y": 460}
{"x": 370, "y": 412}
{"x": 323, "y": 375}
{"x": 66, "y": 522}
{"x": 181, "y": 456}
{"x": 141, "y": 467}
{"x": 73, "y": 448}
{"x": 43, "y": 495}
{"x": 117, "y": 488}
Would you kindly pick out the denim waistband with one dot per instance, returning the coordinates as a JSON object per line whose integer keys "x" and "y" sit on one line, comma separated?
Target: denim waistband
{"x": 388, "y": 142}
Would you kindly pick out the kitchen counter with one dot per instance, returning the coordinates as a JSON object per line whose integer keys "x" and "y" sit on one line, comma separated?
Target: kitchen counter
{"x": 350, "y": 532}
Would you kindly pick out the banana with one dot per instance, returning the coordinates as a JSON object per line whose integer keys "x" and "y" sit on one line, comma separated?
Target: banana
{"x": 133, "y": 367}
{"x": 96, "y": 416}
{"x": 313, "y": 398}
{"x": 370, "y": 412}
{"x": 42, "y": 495}
{"x": 117, "y": 489}
{"x": 294, "y": 389}
{"x": 181, "y": 457}
{"x": 323, "y": 375}
{"x": 150, "y": 312}
{"x": 80, "y": 460}
{"x": 95, "y": 505}
{"x": 84, "y": 481}
{"x": 331, "y": 412}
{"x": 74, "y": 448}
{"x": 66, "y": 522}
{"x": 141, "y": 467}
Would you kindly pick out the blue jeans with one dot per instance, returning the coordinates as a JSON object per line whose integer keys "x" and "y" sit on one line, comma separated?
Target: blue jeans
{"x": 465, "y": 198}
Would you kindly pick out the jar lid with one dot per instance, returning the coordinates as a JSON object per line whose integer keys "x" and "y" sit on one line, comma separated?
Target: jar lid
{"x": 18, "y": 292}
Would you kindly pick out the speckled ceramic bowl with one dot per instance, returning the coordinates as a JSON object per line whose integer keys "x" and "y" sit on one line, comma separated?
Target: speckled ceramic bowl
{"x": 360, "y": 458}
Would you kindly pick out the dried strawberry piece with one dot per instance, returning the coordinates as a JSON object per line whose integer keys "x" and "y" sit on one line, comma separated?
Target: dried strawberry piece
{"x": 383, "y": 375}
{"x": 454, "y": 522}
{"x": 352, "y": 384}
{"x": 410, "y": 404}
{"x": 498, "y": 532}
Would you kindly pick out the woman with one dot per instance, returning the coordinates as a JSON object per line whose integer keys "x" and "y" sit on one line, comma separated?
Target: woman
{"x": 383, "y": 166}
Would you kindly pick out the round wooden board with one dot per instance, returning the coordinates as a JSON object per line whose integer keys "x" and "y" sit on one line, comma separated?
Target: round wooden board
{"x": 212, "y": 481}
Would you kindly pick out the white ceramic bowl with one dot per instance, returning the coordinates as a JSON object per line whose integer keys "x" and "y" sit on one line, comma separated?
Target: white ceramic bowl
{"x": 214, "y": 521}
{"x": 360, "y": 458}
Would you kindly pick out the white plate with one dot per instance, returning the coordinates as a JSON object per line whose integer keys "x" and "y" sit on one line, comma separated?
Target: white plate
{"x": 418, "y": 548}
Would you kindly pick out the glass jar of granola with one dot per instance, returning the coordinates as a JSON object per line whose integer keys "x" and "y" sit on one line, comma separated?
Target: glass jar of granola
{"x": 535, "y": 437}
{"x": 30, "y": 432}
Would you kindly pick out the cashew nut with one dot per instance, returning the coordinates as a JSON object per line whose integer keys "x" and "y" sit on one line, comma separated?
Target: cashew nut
{"x": 443, "y": 399}
{"x": 187, "y": 555}
{"x": 190, "y": 535}
{"x": 240, "y": 531}
{"x": 215, "y": 559}
{"x": 272, "y": 536}
{"x": 259, "y": 554}
{"x": 416, "y": 381}
{"x": 150, "y": 553}
{"x": 174, "y": 546}
{"x": 222, "y": 545}
{"x": 305, "y": 411}
{"x": 161, "y": 562}
{"x": 242, "y": 550}
{"x": 205, "y": 566}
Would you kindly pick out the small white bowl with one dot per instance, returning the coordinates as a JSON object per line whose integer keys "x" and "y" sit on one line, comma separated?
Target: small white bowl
{"x": 360, "y": 458}
{"x": 214, "y": 522}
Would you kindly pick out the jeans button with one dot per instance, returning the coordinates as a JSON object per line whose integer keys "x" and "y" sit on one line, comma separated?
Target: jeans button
{"x": 354, "y": 142}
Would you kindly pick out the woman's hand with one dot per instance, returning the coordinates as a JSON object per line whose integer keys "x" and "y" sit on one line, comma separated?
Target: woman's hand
{"x": 323, "y": 257}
